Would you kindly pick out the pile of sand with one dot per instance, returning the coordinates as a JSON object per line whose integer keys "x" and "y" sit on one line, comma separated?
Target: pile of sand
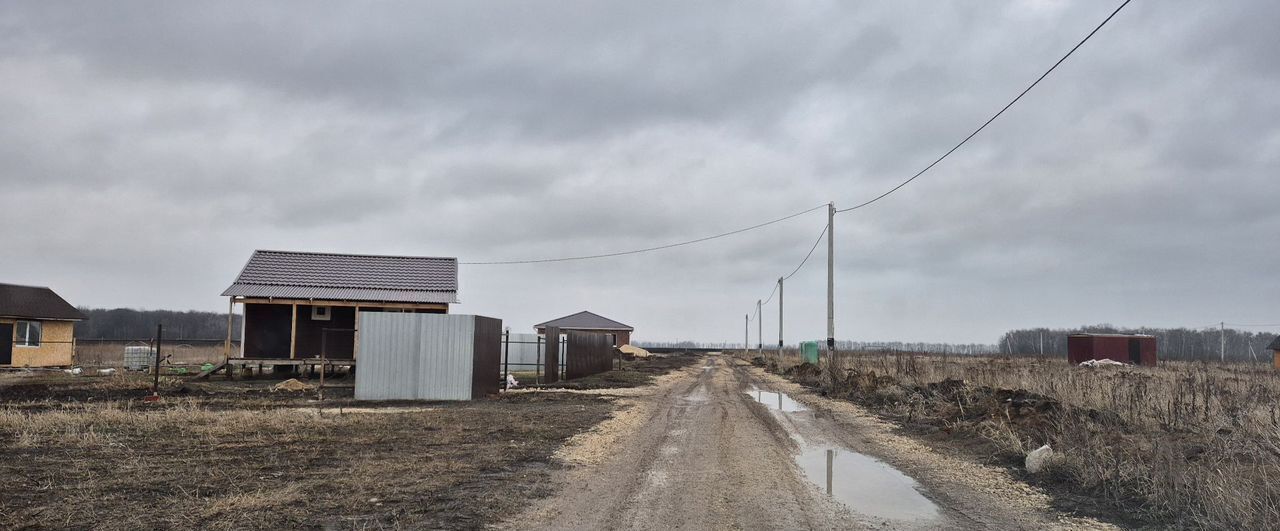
{"x": 292, "y": 384}
{"x": 634, "y": 351}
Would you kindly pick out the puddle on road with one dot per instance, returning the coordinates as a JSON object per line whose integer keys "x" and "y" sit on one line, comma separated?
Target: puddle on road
{"x": 866, "y": 485}
{"x": 776, "y": 401}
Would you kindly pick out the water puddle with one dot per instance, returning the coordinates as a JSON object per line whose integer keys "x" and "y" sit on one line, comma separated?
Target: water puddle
{"x": 776, "y": 401}
{"x": 866, "y": 485}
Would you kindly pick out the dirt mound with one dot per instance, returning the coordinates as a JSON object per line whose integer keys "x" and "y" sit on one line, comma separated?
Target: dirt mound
{"x": 804, "y": 370}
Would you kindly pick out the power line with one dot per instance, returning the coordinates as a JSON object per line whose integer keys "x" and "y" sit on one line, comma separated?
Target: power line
{"x": 647, "y": 249}
{"x": 811, "y": 250}
{"x": 1254, "y": 325}
{"x": 774, "y": 291}
{"x": 996, "y": 115}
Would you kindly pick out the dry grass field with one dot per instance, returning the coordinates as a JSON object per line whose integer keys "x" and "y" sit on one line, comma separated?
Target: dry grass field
{"x": 1183, "y": 444}
{"x": 86, "y": 453}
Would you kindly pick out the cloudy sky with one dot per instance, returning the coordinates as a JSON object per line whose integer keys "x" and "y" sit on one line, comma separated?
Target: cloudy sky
{"x": 147, "y": 148}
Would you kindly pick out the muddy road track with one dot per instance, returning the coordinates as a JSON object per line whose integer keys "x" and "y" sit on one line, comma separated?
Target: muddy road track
{"x": 721, "y": 445}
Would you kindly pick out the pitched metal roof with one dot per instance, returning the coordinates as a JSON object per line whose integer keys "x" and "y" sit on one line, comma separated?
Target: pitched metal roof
{"x": 584, "y": 320}
{"x": 1275, "y": 344}
{"x": 35, "y": 302}
{"x": 347, "y": 277}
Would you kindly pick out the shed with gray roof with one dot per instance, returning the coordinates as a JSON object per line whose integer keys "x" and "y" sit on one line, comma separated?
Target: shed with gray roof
{"x": 298, "y": 304}
{"x": 585, "y": 321}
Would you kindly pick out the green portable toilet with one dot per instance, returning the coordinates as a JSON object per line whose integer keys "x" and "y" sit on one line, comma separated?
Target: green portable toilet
{"x": 809, "y": 349}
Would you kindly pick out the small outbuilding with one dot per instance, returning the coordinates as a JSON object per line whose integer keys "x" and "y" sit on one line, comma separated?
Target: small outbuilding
{"x": 585, "y": 321}
{"x": 37, "y": 327}
{"x": 302, "y": 305}
{"x": 1136, "y": 349}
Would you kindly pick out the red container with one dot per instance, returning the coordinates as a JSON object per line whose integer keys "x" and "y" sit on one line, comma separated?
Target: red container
{"x": 1125, "y": 348}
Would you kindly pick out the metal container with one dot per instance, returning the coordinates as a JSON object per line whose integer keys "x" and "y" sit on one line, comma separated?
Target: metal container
{"x": 1126, "y": 348}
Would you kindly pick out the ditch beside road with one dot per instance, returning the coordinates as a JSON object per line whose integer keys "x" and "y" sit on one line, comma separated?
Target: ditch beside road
{"x": 721, "y": 444}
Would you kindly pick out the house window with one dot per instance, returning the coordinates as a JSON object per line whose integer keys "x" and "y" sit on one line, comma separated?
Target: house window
{"x": 26, "y": 334}
{"x": 319, "y": 313}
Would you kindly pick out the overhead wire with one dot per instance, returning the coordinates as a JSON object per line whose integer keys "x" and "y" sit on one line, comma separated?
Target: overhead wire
{"x": 647, "y": 249}
{"x": 774, "y": 291}
{"x": 993, "y": 117}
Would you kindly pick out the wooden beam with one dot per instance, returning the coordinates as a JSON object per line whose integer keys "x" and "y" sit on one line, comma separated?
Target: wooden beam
{"x": 352, "y": 304}
{"x": 231, "y": 308}
{"x": 293, "y": 332}
{"x": 355, "y": 336}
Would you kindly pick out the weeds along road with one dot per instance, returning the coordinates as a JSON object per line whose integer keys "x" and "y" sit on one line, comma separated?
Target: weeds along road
{"x": 716, "y": 446}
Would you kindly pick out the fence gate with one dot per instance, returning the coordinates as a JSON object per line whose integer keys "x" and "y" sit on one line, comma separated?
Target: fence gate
{"x": 587, "y": 353}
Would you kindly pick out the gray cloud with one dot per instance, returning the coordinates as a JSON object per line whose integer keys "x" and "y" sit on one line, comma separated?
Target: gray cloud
{"x": 147, "y": 147}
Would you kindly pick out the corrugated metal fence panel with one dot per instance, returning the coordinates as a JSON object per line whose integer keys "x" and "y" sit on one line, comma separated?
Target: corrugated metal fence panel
{"x": 389, "y": 355}
{"x": 486, "y": 358}
{"x": 444, "y": 372}
{"x": 415, "y": 356}
{"x": 588, "y": 353}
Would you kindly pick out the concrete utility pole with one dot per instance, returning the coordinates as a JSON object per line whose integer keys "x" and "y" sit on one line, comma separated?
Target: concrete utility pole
{"x": 760, "y": 327}
{"x": 746, "y": 333}
{"x": 780, "y": 316}
{"x": 1222, "y": 337}
{"x": 831, "y": 281}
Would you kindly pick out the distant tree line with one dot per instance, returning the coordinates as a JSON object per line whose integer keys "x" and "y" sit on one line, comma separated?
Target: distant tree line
{"x": 1184, "y": 344}
{"x": 124, "y": 323}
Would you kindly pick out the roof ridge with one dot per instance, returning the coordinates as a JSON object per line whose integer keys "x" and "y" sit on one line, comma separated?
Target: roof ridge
{"x": 357, "y": 255}
{"x": 24, "y": 286}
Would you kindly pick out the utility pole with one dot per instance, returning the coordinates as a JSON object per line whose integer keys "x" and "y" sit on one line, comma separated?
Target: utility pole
{"x": 831, "y": 282}
{"x": 780, "y": 316}
{"x": 746, "y": 333}
{"x": 1222, "y": 338}
{"x": 759, "y": 327}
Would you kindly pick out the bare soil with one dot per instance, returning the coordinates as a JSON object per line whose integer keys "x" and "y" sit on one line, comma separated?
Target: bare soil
{"x": 87, "y": 452}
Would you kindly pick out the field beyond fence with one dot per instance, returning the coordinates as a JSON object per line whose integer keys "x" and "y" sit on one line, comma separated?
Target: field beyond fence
{"x": 110, "y": 353}
{"x": 1186, "y": 443}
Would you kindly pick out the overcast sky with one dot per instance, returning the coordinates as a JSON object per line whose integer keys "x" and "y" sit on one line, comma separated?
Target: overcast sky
{"x": 147, "y": 148}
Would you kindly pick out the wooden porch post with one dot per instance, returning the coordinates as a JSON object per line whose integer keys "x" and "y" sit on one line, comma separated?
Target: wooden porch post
{"x": 231, "y": 308}
{"x": 293, "y": 331}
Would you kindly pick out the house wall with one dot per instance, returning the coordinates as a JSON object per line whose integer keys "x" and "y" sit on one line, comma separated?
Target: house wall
{"x": 337, "y": 344}
{"x": 268, "y": 326}
{"x": 57, "y": 345}
{"x": 623, "y": 336}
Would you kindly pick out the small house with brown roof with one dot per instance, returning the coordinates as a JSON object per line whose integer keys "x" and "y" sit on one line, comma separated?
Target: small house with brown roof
{"x": 36, "y": 327}
{"x": 585, "y": 321}
{"x": 302, "y": 305}
{"x": 1274, "y": 347}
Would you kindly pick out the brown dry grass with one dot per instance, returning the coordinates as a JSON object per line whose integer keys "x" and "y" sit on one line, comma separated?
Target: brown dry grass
{"x": 239, "y": 460}
{"x": 1188, "y": 444}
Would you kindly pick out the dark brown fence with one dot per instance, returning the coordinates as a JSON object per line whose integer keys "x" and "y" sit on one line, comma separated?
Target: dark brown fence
{"x": 588, "y": 353}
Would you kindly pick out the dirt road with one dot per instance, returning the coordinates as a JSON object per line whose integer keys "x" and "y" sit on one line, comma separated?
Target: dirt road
{"x": 721, "y": 445}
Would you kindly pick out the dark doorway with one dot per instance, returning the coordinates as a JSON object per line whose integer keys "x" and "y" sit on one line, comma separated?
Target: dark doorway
{"x": 1135, "y": 351}
{"x": 6, "y": 344}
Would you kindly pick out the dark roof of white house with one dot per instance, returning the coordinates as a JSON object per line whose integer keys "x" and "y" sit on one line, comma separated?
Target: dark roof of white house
{"x": 584, "y": 320}
{"x": 35, "y": 302}
{"x": 347, "y": 277}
